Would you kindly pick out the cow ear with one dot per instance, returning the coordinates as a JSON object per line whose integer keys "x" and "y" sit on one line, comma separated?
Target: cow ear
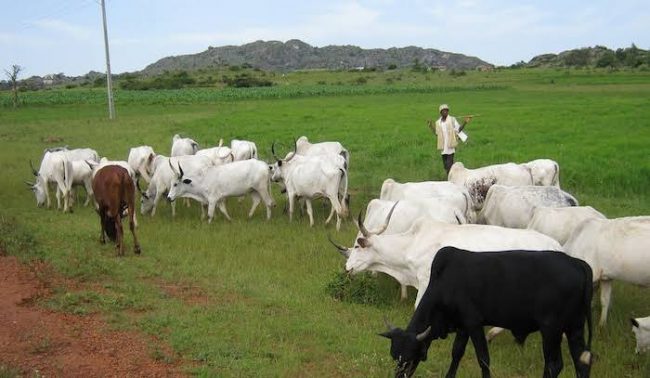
{"x": 187, "y": 181}
{"x": 634, "y": 322}
{"x": 279, "y": 163}
{"x": 388, "y": 335}
{"x": 363, "y": 242}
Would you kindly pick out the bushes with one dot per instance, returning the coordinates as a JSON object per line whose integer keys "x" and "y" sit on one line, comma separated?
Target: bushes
{"x": 359, "y": 288}
{"x": 246, "y": 80}
{"x": 168, "y": 80}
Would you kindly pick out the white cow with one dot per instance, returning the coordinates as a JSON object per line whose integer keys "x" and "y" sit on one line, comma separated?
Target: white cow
{"x": 82, "y": 175}
{"x": 310, "y": 177}
{"x": 512, "y": 206}
{"x": 183, "y": 146}
{"x": 228, "y": 180}
{"x": 104, "y": 162}
{"x": 406, "y": 214}
{"x": 615, "y": 249}
{"x": 303, "y": 147}
{"x": 478, "y": 181}
{"x": 243, "y": 149}
{"x": 55, "y": 169}
{"x": 163, "y": 177}
{"x": 453, "y": 195}
{"x": 407, "y": 256}
{"x": 219, "y": 155}
{"x": 545, "y": 172}
{"x": 141, "y": 161}
{"x": 641, "y": 329}
{"x": 559, "y": 222}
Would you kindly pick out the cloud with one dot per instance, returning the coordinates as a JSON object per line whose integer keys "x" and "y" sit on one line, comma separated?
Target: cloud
{"x": 61, "y": 27}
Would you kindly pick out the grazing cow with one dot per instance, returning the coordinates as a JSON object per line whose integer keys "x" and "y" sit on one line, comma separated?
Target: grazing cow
{"x": 641, "y": 329}
{"x": 512, "y": 206}
{"x": 115, "y": 195}
{"x": 164, "y": 176}
{"x": 243, "y": 149}
{"x": 616, "y": 249}
{"x": 453, "y": 195}
{"x": 559, "y": 222}
{"x": 229, "y": 180}
{"x": 545, "y": 172}
{"x": 478, "y": 181}
{"x": 55, "y": 168}
{"x": 183, "y": 146}
{"x": 407, "y": 256}
{"x": 524, "y": 291}
{"x": 141, "y": 161}
{"x": 219, "y": 155}
{"x": 310, "y": 177}
{"x": 303, "y": 147}
{"x": 406, "y": 213}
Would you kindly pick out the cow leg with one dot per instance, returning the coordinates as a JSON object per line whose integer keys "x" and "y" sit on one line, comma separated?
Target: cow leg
{"x": 329, "y": 218}
{"x": 136, "y": 244}
{"x": 291, "y": 203}
{"x": 120, "y": 234}
{"x": 256, "y": 201}
{"x": 310, "y": 212}
{"x": 102, "y": 235}
{"x": 211, "y": 207}
{"x": 577, "y": 347}
{"x": 551, "y": 343}
{"x": 58, "y": 199}
{"x": 187, "y": 202}
{"x": 481, "y": 348}
{"x": 89, "y": 192}
{"x": 222, "y": 208}
{"x": 605, "y": 299}
{"x": 338, "y": 222}
{"x": 457, "y": 352}
{"x": 403, "y": 292}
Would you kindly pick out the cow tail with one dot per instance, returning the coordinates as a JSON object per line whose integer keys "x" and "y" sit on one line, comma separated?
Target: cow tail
{"x": 556, "y": 178}
{"x": 585, "y": 357}
{"x": 344, "y": 176}
{"x": 254, "y": 151}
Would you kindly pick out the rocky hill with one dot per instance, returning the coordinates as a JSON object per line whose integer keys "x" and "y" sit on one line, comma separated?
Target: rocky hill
{"x": 598, "y": 56}
{"x": 297, "y": 55}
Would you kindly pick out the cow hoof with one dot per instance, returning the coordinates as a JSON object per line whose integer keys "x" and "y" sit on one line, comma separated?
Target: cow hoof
{"x": 137, "y": 250}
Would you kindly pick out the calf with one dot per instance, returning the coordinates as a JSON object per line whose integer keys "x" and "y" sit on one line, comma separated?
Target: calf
{"x": 524, "y": 291}
{"x": 115, "y": 195}
{"x": 616, "y": 249}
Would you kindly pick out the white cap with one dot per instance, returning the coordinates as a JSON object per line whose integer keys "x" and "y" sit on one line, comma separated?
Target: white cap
{"x": 443, "y": 106}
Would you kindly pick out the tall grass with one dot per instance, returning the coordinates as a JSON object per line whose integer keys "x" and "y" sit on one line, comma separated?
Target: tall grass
{"x": 254, "y": 298}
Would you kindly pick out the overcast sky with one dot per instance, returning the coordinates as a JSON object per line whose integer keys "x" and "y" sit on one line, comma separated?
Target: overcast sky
{"x": 54, "y": 36}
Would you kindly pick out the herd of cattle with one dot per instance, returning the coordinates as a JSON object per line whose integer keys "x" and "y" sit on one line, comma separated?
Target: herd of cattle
{"x": 419, "y": 233}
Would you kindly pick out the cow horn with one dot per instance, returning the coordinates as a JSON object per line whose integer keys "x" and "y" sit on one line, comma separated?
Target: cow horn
{"x": 423, "y": 335}
{"x": 180, "y": 170}
{"x": 390, "y": 214}
{"x": 30, "y": 184}
{"x": 137, "y": 185}
{"x": 34, "y": 171}
{"x": 220, "y": 142}
{"x": 273, "y": 152}
{"x": 295, "y": 150}
{"x": 172, "y": 166}
{"x": 361, "y": 227}
{"x": 389, "y": 325}
{"x": 344, "y": 251}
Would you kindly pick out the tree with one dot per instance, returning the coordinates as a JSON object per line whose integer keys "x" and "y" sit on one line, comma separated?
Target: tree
{"x": 13, "y": 78}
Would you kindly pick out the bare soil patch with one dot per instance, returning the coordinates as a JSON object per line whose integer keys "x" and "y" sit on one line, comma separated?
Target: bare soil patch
{"x": 39, "y": 342}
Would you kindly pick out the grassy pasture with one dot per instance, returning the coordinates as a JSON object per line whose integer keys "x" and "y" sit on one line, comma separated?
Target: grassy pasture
{"x": 250, "y": 298}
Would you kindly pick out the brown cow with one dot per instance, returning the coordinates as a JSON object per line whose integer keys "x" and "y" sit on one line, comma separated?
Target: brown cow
{"x": 115, "y": 193}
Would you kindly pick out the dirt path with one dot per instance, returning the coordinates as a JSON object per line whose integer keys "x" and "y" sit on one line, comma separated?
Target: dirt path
{"x": 39, "y": 342}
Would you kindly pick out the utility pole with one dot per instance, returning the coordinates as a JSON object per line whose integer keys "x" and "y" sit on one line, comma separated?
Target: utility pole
{"x": 109, "y": 82}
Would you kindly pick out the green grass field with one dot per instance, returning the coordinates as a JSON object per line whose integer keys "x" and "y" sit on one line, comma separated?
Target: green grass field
{"x": 254, "y": 298}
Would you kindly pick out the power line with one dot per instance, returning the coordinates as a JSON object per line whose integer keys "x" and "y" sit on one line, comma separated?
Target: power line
{"x": 109, "y": 81}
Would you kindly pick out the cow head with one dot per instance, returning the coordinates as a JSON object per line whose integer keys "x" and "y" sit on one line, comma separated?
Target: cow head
{"x": 277, "y": 169}
{"x": 361, "y": 256}
{"x": 39, "y": 187}
{"x": 179, "y": 184}
{"x": 407, "y": 348}
{"x": 146, "y": 199}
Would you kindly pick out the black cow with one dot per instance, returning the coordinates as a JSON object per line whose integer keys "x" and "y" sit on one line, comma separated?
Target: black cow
{"x": 523, "y": 291}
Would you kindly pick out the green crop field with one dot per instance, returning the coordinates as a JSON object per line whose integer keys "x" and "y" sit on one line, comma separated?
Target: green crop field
{"x": 257, "y": 298}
